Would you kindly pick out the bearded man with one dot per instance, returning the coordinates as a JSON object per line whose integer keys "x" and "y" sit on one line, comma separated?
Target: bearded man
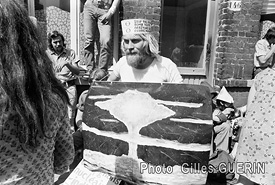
{"x": 141, "y": 62}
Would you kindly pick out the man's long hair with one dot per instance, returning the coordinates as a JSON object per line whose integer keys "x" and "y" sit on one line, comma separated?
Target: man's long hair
{"x": 27, "y": 80}
{"x": 151, "y": 45}
{"x": 54, "y": 34}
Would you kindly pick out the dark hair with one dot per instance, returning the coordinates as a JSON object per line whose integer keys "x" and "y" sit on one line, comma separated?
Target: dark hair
{"x": 53, "y": 35}
{"x": 221, "y": 105}
{"x": 270, "y": 34}
{"x": 27, "y": 79}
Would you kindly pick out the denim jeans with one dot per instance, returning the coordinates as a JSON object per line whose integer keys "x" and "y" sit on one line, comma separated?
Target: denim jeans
{"x": 71, "y": 91}
{"x": 92, "y": 22}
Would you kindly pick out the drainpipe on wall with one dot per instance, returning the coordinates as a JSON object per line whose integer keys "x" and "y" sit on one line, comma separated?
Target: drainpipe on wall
{"x": 74, "y": 16}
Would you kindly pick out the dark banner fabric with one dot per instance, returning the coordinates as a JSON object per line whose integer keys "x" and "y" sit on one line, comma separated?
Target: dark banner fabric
{"x": 149, "y": 133}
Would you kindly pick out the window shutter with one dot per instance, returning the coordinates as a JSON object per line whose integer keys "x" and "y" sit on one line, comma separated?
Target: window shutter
{"x": 268, "y": 7}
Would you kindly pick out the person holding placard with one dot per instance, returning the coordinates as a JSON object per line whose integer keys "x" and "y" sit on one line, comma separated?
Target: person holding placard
{"x": 141, "y": 63}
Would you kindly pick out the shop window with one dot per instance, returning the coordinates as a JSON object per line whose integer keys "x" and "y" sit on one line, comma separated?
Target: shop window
{"x": 185, "y": 37}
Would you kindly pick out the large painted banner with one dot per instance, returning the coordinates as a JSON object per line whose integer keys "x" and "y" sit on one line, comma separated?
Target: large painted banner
{"x": 148, "y": 133}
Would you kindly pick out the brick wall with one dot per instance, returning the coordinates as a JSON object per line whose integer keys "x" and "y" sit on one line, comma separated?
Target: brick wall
{"x": 239, "y": 95}
{"x": 145, "y": 9}
{"x": 238, "y": 33}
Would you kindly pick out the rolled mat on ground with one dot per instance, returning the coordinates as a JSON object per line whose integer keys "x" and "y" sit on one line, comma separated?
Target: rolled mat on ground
{"x": 151, "y": 133}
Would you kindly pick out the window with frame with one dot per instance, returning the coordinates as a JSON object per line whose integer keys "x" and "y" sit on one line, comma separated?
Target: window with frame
{"x": 186, "y": 34}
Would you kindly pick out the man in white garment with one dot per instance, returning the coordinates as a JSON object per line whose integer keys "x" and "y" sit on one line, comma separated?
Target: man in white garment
{"x": 141, "y": 62}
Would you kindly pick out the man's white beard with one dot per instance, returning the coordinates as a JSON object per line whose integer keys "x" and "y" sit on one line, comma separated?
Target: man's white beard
{"x": 135, "y": 60}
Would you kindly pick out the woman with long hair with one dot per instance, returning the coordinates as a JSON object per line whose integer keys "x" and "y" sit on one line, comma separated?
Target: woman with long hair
{"x": 35, "y": 136}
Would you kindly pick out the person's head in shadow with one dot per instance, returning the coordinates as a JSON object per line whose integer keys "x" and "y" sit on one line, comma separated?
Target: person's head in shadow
{"x": 26, "y": 75}
{"x": 56, "y": 42}
{"x": 270, "y": 35}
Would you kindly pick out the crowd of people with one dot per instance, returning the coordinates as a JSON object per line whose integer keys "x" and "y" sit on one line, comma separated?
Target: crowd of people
{"x": 38, "y": 133}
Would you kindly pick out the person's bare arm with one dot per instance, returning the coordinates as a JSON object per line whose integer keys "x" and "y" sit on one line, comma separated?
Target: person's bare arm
{"x": 114, "y": 7}
{"x": 73, "y": 65}
{"x": 221, "y": 116}
{"x": 113, "y": 77}
{"x": 106, "y": 18}
{"x": 264, "y": 58}
{"x": 73, "y": 68}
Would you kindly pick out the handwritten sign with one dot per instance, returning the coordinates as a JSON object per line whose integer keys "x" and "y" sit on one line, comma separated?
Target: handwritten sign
{"x": 235, "y": 5}
{"x": 83, "y": 176}
{"x": 135, "y": 26}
